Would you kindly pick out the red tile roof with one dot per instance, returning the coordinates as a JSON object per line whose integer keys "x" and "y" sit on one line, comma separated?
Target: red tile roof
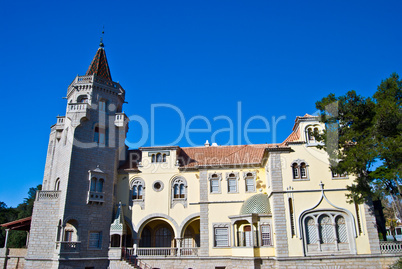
{"x": 222, "y": 155}
{"x": 99, "y": 65}
{"x": 294, "y": 136}
{"x": 19, "y": 224}
{"x": 212, "y": 156}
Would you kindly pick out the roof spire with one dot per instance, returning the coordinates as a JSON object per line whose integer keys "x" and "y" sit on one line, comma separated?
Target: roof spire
{"x": 101, "y": 39}
{"x": 99, "y": 65}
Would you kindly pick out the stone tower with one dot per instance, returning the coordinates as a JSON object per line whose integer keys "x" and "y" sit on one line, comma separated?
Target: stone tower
{"x": 73, "y": 212}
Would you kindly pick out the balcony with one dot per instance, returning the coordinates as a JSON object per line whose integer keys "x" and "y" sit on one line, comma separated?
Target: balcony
{"x": 78, "y": 107}
{"x": 390, "y": 247}
{"x": 60, "y": 123}
{"x": 94, "y": 196}
{"x": 68, "y": 247}
{"x": 162, "y": 252}
{"x": 47, "y": 195}
{"x": 120, "y": 120}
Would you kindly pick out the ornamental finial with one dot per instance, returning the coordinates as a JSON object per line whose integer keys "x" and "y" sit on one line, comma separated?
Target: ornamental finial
{"x": 101, "y": 39}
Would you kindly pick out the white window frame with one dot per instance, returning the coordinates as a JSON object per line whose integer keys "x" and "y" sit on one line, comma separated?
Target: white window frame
{"x": 224, "y": 240}
{"x": 252, "y": 177}
{"x": 296, "y": 170}
{"x": 232, "y": 177}
{"x": 218, "y": 178}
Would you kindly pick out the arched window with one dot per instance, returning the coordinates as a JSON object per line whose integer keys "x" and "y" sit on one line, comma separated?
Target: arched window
{"x": 158, "y": 157}
{"x": 99, "y": 186}
{"x": 303, "y": 170}
{"x": 326, "y": 229}
{"x": 232, "y": 182}
{"x": 100, "y": 135}
{"x": 179, "y": 188}
{"x": 341, "y": 231}
{"x": 146, "y": 238}
{"x": 250, "y": 181}
{"x": 291, "y": 214}
{"x": 299, "y": 170}
{"x": 102, "y": 105}
{"x": 57, "y": 184}
{"x": 82, "y": 99}
{"x": 164, "y": 158}
{"x": 311, "y": 132}
{"x": 153, "y": 158}
{"x": 138, "y": 189}
{"x": 163, "y": 237}
{"x": 93, "y": 184}
{"x": 295, "y": 170}
{"x": 310, "y": 135}
{"x": 327, "y": 232}
{"x": 214, "y": 182}
{"x": 71, "y": 233}
{"x": 311, "y": 231}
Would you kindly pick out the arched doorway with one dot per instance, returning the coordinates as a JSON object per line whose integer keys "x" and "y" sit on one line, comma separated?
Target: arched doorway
{"x": 190, "y": 238}
{"x": 156, "y": 238}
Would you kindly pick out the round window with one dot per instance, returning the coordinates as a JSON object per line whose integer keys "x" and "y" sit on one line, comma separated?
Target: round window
{"x": 157, "y": 186}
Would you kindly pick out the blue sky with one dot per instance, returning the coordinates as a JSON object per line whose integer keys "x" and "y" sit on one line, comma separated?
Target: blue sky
{"x": 277, "y": 58}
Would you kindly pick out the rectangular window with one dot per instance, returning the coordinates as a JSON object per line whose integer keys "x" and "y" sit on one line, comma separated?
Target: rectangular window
{"x": 102, "y": 106}
{"x": 250, "y": 185}
{"x": 95, "y": 240}
{"x": 232, "y": 186}
{"x": 265, "y": 235}
{"x": 221, "y": 237}
{"x": 68, "y": 236}
{"x": 215, "y": 185}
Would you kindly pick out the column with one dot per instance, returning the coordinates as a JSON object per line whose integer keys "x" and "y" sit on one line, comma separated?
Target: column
{"x": 5, "y": 242}
{"x": 204, "y": 212}
{"x": 178, "y": 245}
{"x": 280, "y": 231}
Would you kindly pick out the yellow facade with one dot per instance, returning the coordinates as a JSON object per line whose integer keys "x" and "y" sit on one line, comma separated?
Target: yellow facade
{"x": 205, "y": 202}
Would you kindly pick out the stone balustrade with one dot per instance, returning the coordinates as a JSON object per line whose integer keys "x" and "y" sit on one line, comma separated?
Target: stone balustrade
{"x": 77, "y": 107}
{"x": 94, "y": 196}
{"x": 387, "y": 247}
{"x": 68, "y": 247}
{"x": 47, "y": 195}
{"x": 156, "y": 252}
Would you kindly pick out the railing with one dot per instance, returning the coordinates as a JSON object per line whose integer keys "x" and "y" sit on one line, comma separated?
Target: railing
{"x": 47, "y": 195}
{"x": 68, "y": 247}
{"x": 129, "y": 256}
{"x": 77, "y": 107}
{"x": 189, "y": 251}
{"x": 94, "y": 196}
{"x": 391, "y": 246}
{"x": 84, "y": 79}
{"x": 156, "y": 251}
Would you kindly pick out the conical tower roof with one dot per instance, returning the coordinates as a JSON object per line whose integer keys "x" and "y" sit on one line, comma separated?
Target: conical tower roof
{"x": 118, "y": 223}
{"x": 99, "y": 65}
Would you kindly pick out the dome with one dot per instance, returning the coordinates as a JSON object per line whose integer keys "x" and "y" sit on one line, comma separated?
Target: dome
{"x": 258, "y": 203}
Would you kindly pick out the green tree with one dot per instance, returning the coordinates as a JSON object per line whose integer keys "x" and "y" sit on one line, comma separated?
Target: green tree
{"x": 17, "y": 239}
{"x": 363, "y": 132}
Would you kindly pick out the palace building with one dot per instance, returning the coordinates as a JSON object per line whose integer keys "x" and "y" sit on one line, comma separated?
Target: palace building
{"x": 240, "y": 206}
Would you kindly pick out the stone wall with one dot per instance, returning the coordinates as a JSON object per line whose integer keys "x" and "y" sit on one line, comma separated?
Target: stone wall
{"x": 362, "y": 261}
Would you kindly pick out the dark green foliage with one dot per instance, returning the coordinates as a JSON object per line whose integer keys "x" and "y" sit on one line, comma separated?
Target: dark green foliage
{"x": 16, "y": 239}
{"x": 397, "y": 264}
{"x": 362, "y": 132}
